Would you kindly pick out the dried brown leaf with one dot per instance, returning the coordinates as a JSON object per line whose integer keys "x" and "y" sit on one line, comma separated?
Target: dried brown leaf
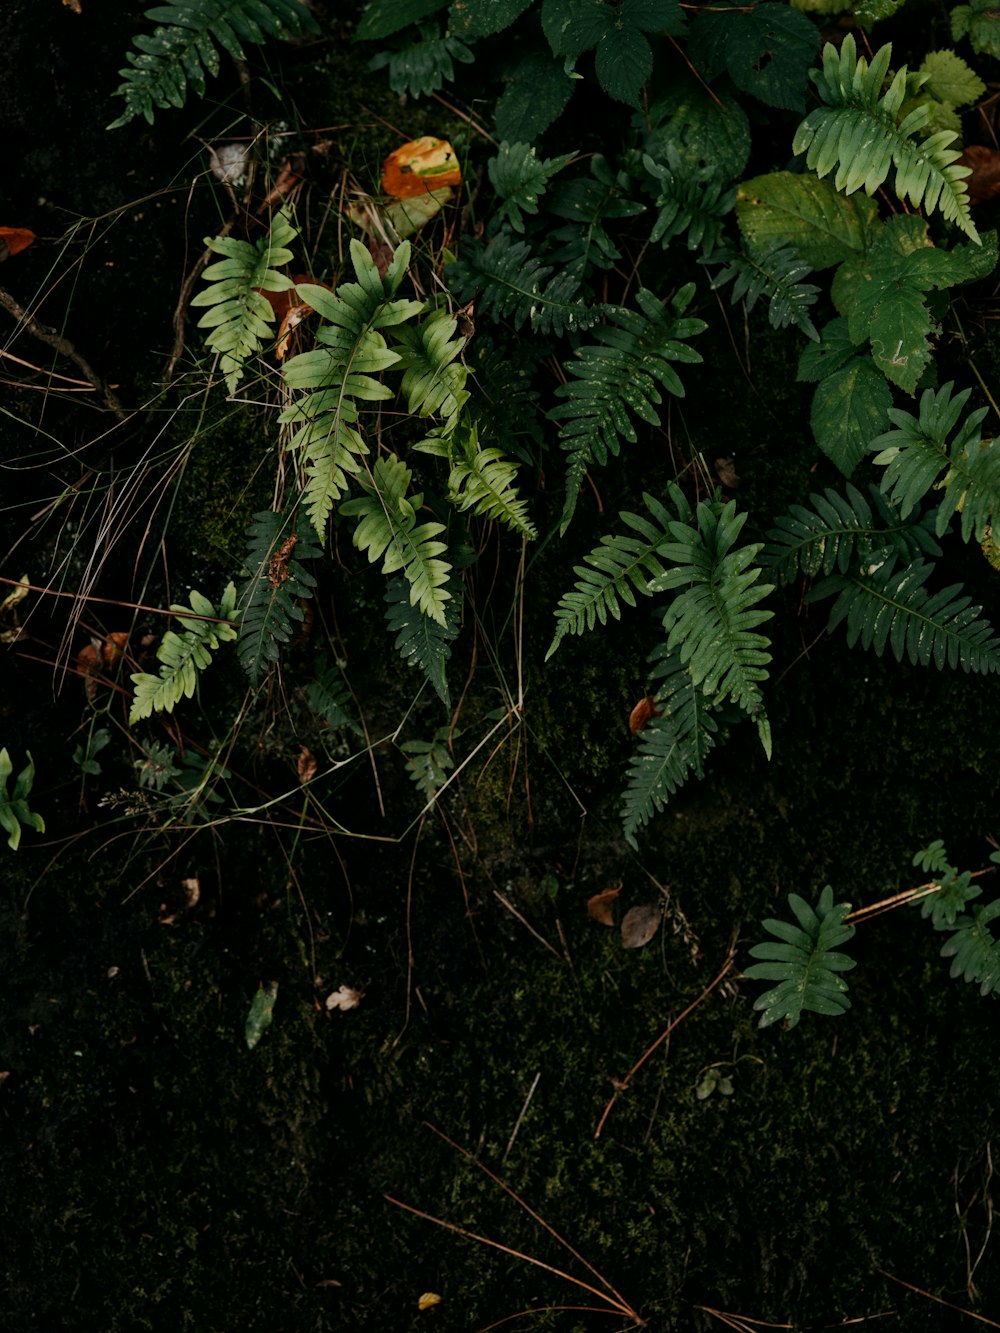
{"x": 641, "y": 713}
{"x": 984, "y": 183}
{"x": 601, "y": 906}
{"x": 641, "y": 924}
{"x": 307, "y": 765}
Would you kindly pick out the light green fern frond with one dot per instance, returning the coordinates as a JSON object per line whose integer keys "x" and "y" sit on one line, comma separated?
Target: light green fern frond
{"x": 918, "y": 451}
{"x": 182, "y": 49}
{"x": 673, "y": 744}
{"x": 883, "y": 606}
{"x": 389, "y": 529}
{"x": 616, "y": 569}
{"x": 805, "y": 962}
{"x": 482, "y": 479}
{"x": 184, "y": 655}
{"x": 713, "y": 619}
{"x": 858, "y": 132}
{"x": 433, "y": 377}
{"x": 240, "y": 316}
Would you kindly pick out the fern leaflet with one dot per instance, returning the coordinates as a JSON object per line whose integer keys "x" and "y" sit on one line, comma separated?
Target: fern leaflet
{"x": 882, "y": 606}
{"x": 184, "y": 655}
{"x": 917, "y": 452}
{"x": 388, "y": 528}
{"x": 673, "y": 744}
{"x": 519, "y": 177}
{"x": 839, "y": 531}
{"x": 974, "y": 949}
{"x": 804, "y": 961}
{"x": 776, "y": 272}
{"x": 421, "y": 641}
{"x": 483, "y": 480}
{"x": 274, "y": 554}
{"x": 622, "y": 371}
{"x": 240, "y": 316}
{"x": 858, "y": 133}
{"x": 616, "y": 569}
{"x": 433, "y": 378}
{"x": 183, "y": 50}
{"x": 691, "y": 201}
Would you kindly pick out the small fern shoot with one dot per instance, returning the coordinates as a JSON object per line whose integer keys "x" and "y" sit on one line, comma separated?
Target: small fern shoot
{"x": 483, "y": 480}
{"x": 975, "y": 950}
{"x": 184, "y": 655}
{"x": 388, "y": 528}
{"x": 433, "y": 377}
{"x": 276, "y": 548}
{"x": 805, "y": 962}
{"x": 240, "y": 316}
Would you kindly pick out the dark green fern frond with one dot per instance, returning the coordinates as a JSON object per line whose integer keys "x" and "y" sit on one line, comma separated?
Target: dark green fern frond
{"x": 883, "y": 607}
{"x": 616, "y": 569}
{"x": 240, "y": 316}
{"x": 519, "y": 177}
{"x": 388, "y": 528}
{"x": 804, "y": 961}
{"x": 673, "y": 744}
{"x": 184, "y": 655}
{"x": 509, "y": 281}
{"x": 974, "y": 949}
{"x": 182, "y": 50}
{"x": 859, "y": 133}
{"x": 775, "y": 272}
{"x": 423, "y": 66}
{"x": 483, "y": 480}
{"x": 689, "y": 201}
{"x": 918, "y": 451}
{"x": 276, "y": 547}
{"x": 328, "y": 698}
{"x": 841, "y": 530}
{"x": 421, "y": 641}
{"x": 588, "y": 204}
{"x": 713, "y": 619}
{"x": 622, "y": 373}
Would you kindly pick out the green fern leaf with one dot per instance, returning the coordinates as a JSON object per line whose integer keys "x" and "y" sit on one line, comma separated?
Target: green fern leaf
{"x": 776, "y": 273}
{"x": 974, "y": 949}
{"x": 423, "y": 66}
{"x": 838, "y": 531}
{"x": 421, "y": 641}
{"x": 483, "y": 480}
{"x": 885, "y": 607}
{"x": 388, "y": 528}
{"x": 692, "y": 203}
{"x": 520, "y": 177}
{"x": 587, "y": 203}
{"x": 275, "y": 551}
{"x": 713, "y": 620}
{"x": 328, "y": 697}
{"x": 183, "y": 50}
{"x": 616, "y": 569}
{"x": 804, "y": 961}
{"x": 240, "y": 317}
{"x": 918, "y": 451}
{"x": 631, "y": 358}
{"x": 433, "y": 378}
{"x": 673, "y": 744}
{"x": 184, "y": 655}
{"x": 859, "y": 133}
{"x": 428, "y": 762}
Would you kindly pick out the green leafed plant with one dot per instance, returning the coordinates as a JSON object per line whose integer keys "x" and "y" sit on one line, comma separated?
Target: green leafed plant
{"x": 14, "y": 811}
{"x": 804, "y": 960}
{"x": 184, "y": 655}
{"x": 269, "y": 598}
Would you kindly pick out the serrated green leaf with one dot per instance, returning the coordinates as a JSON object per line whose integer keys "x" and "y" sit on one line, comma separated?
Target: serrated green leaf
{"x": 707, "y": 132}
{"x": 767, "y": 50}
{"x": 980, "y": 23}
{"x": 537, "y": 94}
{"x": 822, "y": 224}
{"x": 384, "y": 17}
{"x": 950, "y": 80}
{"x": 482, "y": 18}
{"x": 850, "y": 407}
{"x": 624, "y": 63}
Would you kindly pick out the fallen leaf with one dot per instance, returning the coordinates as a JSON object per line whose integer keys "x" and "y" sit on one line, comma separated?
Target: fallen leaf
{"x": 289, "y": 324}
{"x": 18, "y": 595}
{"x": 418, "y": 166}
{"x": 75, "y": 5}
{"x": 13, "y": 240}
{"x": 984, "y": 183}
{"x": 260, "y": 1015}
{"x": 346, "y": 997}
{"x": 600, "y": 906}
{"x": 307, "y": 765}
{"x": 428, "y": 1300}
{"x": 192, "y": 890}
{"x": 640, "y": 925}
{"x": 641, "y": 713}
{"x": 725, "y": 470}
{"x": 291, "y": 175}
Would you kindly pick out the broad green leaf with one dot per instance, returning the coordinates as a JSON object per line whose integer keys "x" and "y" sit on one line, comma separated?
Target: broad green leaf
{"x": 706, "y": 132}
{"x": 574, "y": 26}
{"x": 767, "y": 50}
{"x": 950, "y": 79}
{"x": 979, "y": 22}
{"x": 850, "y": 407}
{"x": 624, "y": 63}
{"x": 824, "y": 225}
{"x": 14, "y": 808}
{"x": 260, "y": 1015}
{"x": 833, "y": 351}
{"x": 482, "y": 18}
{"x": 384, "y": 17}
{"x": 536, "y": 95}
{"x": 869, "y": 12}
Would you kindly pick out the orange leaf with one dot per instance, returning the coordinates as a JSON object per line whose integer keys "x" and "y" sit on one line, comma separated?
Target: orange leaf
{"x": 641, "y": 713}
{"x": 600, "y": 906}
{"x": 421, "y": 165}
{"x": 13, "y": 240}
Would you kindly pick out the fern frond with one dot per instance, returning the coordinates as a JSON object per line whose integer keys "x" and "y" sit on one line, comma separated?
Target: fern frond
{"x": 328, "y": 697}
{"x": 388, "y": 528}
{"x": 428, "y": 762}
{"x": 918, "y": 451}
{"x": 276, "y": 547}
{"x": 714, "y": 619}
{"x": 623, "y": 370}
{"x": 805, "y": 962}
{"x": 182, "y": 50}
{"x": 691, "y": 201}
{"x": 520, "y": 176}
{"x": 509, "y": 281}
{"x": 184, "y": 655}
{"x": 483, "y": 480}
{"x": 433, "y": 378}
{"x": 343, "y": 369}
{"x": 616, "y": 569}
{"x": 776, "y": 272}
{"x": 421, "y": 67}
{"x": 885, "y": 607}
{"x": 673, "y": 744}
{"x": 588, "y": 203}
{"x": 840, "y": 530}
{"x": 240, "y": 316}
{"x": 420, "y": 641}
{"x": 860, "y": 134}
{"x": 975, "y": 950}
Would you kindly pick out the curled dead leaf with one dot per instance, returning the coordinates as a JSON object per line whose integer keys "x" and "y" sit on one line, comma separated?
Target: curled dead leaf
{"x": 641, "y": 713}
{"x": 640, "y": 924}
{"x": 418, "y": 166}
{"x": 192, "y": 890}
{"x": 290, "y": 177}
{"x": 307, "y": 765}
{"x": 13, "y": 240}
{"x": 344, "y": 997}
{"x": 601, "y": 906}
{"x": 725, "y": 470}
